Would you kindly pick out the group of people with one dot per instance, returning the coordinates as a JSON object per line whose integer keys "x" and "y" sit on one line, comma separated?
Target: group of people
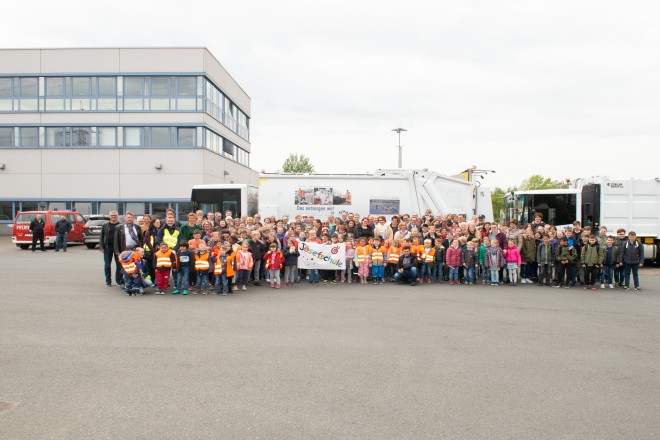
{"x": 217, "y": 253}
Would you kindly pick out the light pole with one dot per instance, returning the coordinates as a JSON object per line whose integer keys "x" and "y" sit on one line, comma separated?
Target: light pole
{"x": 399, "y": 130}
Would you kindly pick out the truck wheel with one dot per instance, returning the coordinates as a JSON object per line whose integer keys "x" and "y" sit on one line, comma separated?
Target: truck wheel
{"x": 23, "y": 246}
{"x": 90, "y": 245}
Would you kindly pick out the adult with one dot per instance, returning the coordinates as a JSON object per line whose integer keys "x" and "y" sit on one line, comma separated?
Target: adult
{"x": 383, "y": 230}
{"x": 62, "y": 228}
{"x": 128, "y": 236}
{"x": 169, "y": 233}
{"x": 406, "y": 268}
{"x": 188, "y": 230}
{"x": 106, "y": 245}
{"x": 150, "y": 246}
{"x": 37, "y": 226}
{"x": 631, "y": 257}
{"x": 363, "y": 230}
{"x": 515, "y": 234}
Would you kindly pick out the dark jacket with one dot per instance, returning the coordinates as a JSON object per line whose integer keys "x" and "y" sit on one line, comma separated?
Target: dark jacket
{"x": 470, "y": 257}
{"x": 528, "y": 250}
{"x": 567, "y": 253}
{"x": 413, "y": 262}
{"x": 592, "y": 255}
{"x": 63, "y": 226}
{"x": 104, "y": 241}
{"x": 614, "y": 255}
{"x": 631, "y": 253}
{"x": 37, "y": 226}
{"x": 544, "y": 250}
{"x": 257, "y": 248}
{"x": 119, "y": 245}
{"x": 290, "y": 258}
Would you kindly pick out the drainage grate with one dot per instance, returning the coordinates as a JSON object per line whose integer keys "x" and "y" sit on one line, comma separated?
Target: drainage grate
{"x": 6, "y": 406}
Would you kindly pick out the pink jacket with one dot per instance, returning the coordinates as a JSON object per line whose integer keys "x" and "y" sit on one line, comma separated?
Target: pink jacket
{"x": 244, "y": 260}
{"x": 512, "y": 255}
{"x": 454, "y": 256}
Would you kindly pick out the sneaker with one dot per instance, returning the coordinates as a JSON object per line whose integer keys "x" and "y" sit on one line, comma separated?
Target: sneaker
{"x": 593, "y": 287}
{"x": 429, "y": 280}
{"x": 277, "y": 286}
{"x": 175, "y": 292}
{"x": 626, "y": 287}
{"x": 203, "y": 292}
{"x": 185, "y": 292}
{"x": 244, "y": 288}
{"x": 611, "y": 286}
{"x": 638, "y": 288}
{"x": 585, "y": 287}
{"x": 602, "y": 286}
{"x": 414, "y": 283}
{"x": 567, "y": 286}
{"x": 556, "y": 286}
{"x": 234, "y": 287}
{"x": 272, "y": 285}
{"x": 334, "y": 281}
{"x": 194, "y": 292}
{"x": 108, "y": 284}
{"x": 224, "y": 293}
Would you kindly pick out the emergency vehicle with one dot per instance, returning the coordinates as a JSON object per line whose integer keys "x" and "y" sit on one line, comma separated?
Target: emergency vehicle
{"x": 21, "y": 235}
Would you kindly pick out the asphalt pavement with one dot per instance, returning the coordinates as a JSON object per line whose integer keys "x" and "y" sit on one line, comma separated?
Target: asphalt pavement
{"x": 80, "y": 360}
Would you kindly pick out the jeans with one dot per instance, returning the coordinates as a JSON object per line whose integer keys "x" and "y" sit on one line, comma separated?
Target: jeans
{"x": 183, "y": 277}
{"x": 203, "y": 279}
{"x": 243, "y": 277}
{"x": 274, "y": 275}
{"x": 108, "y": 255}
{"x": 60, "y": 240}
{"x": 495, "y": 276}
{"x": 406, "y": 275}
{"x": 590, "y": 275}
{"x": 377, "y": 272}
{"x": 437, "y": 272}
{"x": 426, "y": 271}
{"x": 635, "y": 271}
{"x": 607, "y": 275}
{"x": 565, "y": 272}
{"x": 256, "y": 271}
{"x": 469, "y": 274}
{"x": 132, "y": 284}
{"x": 290, "y": 274}
{"x": 545, "y": 273}
{"x": 221, "y": 283}
{"x": 453, "y": 273}
{"x": 313, "y": 275}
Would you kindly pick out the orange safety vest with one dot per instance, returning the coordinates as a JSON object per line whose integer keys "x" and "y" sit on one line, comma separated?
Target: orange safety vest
{"x": 218, "y": 269}
{"x": 202, "y": 261}
{"x": 230, "y": 264}
{"x": 164, "y": 259}
{"x": 414, "y": 249}
{"x": 129, "y": 267}
{"x": 362, "y": 254}
{"x": 428, "y": 258}
{"x": 394, "y": 255}
{"x": 377, "y": 255}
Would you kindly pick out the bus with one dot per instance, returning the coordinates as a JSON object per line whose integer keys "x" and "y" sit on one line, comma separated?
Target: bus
{"x": 240, "y": 199}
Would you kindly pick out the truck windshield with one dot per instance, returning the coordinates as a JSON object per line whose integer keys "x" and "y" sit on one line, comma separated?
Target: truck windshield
{"x": 557, "y": 209}
{"x": 217, "y": 200}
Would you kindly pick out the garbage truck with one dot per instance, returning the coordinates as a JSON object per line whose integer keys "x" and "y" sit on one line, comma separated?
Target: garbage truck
{"x": 631, "y": 204}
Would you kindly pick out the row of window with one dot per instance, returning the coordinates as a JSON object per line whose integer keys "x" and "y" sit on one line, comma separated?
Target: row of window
{"x": 8, "y": 209}
{"x": 158, "y": 137}
{"x": 121, "y": 93}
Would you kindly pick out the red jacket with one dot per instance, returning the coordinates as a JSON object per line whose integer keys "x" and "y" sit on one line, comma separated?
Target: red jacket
{"x": 454, "y": 256}
{"x": 274, "y": 260}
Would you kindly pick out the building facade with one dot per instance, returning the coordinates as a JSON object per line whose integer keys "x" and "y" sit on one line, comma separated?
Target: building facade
{"x": 131, "y": 129}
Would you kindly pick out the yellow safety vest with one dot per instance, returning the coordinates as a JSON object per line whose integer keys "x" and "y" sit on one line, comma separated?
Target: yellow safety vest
{"x": 171, "y": 239}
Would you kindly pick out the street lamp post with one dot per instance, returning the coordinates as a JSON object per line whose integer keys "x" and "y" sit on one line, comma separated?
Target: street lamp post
{"x": 399, "y": 130}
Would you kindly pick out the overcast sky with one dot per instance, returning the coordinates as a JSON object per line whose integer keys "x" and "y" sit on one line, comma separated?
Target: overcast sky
{"x": 561, "y": 88}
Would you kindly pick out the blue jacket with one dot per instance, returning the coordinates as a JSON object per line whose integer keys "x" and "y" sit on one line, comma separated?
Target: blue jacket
{"x": 290, "y": 258}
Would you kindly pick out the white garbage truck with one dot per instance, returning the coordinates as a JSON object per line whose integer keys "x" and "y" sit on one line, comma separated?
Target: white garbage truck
{"x": 385, "y": 192}
{"x": 631, "y": 204}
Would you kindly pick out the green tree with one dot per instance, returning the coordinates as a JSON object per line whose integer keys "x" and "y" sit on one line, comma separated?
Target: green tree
{"x": 497, "y": 199}
{"x": 539, "y": 182}
{"x": 297, "y": 164}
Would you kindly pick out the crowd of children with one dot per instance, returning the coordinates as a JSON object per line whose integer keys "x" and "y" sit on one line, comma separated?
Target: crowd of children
{"x": 220, "y": 254}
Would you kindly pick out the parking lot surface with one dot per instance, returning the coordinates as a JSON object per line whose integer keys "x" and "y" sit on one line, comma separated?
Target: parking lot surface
{"x": 80, "y": 360}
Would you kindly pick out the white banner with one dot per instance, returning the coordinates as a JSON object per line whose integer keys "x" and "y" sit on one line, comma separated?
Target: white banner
{"x": 322, "y": 256}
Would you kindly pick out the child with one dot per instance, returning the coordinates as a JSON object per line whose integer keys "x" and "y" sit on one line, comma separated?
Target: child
{"x": 494, "y": 262}
{"x": 619, "y": 241}
{"x": 231, "y": 267}
{"x": 454, "y": 261}
{"x": 274, "y": 262}
{"x": 566, "y": 256}
{"x": 202, "y": 266}
{"x": 350, "y": 254}
{"x": 483, "y": 248}
{"x": 513, "y": 261}
{"x": 469, "y": 262}
{"x": 291, "y": 255}
{"x": 244, "y": 264}
{"x": 439, "y": 264}
{"x": 427, "y": 257}
{"x": 631, "y": 255}
{"x": 183, "y": 259}
{"x": 132, "y": 280}
{"x": 313, "y": 274}
{"x": 377, "y": 257}
{"x": 528, "y": 257}
{"x": 362, "y": 259}
{"x": 545, "y": 257}
{"x": 610, "y": 258}
{"x": 164, "y": 260}
{"x": 219, "y": 260}
{"x": 591, "y": 259}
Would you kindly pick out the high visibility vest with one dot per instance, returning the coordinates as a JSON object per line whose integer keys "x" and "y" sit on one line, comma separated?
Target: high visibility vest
{"x": 164, "y": 259}
{"x": 428, "y": 257}
{"x": 377, "y": 254}
{"x": 202, "y": 261}
{"x": 231, "y": 258}
{"x": 129, "y": 267}
{"x": 218, "y": 269}
{"x": 362, "y": 254}
{"x": 394, "y": 255}
{"x": 149, "y": 246}
{"x": 171, "y": 239}
{"x": 414, "y": 249}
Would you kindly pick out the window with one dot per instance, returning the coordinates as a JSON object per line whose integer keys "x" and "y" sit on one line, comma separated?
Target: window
{"x": 57, "y": 206}
{"x": 134, "y": 136}
{"x": 106, "y": 207}
{"x": 107, "y": 86}
{"x": 54, "y": 136}
{"x": 6, "y": 136}
{"x": 185, "y": 137}
{"x": 81, "y": 136}
{"x": 81, "y": 86}
{"x": 28, "y": 87}
{"x": 6, "y": 211}
{"x": 183, "y": 209}
{"x": 133, "y": 92}
{"x": 160, "y": 136}
{"x": 106, "y": 136}
{"x": 135, "y": 208}
{"x": 29, "y": 136}
{"x": 228, "y": 148}
{"x": 55, "y": 87}
{"x": 6, "y": 93}
{"x": 81, "y": 207}
{"x": 158, "y": 210}
{"x": 186, "y": 86}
